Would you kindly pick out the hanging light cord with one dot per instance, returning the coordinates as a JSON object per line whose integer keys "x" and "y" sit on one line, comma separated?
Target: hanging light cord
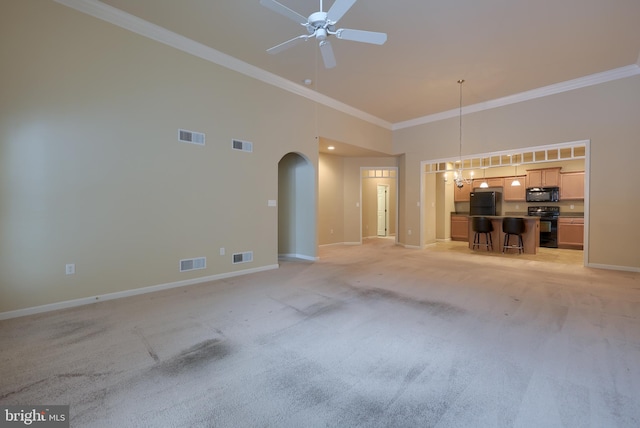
{"x": 461, "y": 81}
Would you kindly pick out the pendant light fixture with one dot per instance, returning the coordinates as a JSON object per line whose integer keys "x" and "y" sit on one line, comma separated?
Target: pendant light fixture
{"x": 458, "y": 178}
{"x": 515, "y": 181}
{"x": 484, "y": 183}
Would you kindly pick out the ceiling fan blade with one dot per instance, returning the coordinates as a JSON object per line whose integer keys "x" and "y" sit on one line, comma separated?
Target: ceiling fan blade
{"x": 327, "y": 54}
{"x": 283, "y": 10}
{"x": 286, "y": 45}
{"x": 339, "y": 8}
{"x": 362, "y": 36}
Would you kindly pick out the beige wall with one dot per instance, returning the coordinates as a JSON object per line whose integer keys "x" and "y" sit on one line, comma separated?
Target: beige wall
{"x": 330, "y": 199}
{"x": 606, "y": 114}
{"x": 91, "y": 171}
{"x": 339, "y": 190}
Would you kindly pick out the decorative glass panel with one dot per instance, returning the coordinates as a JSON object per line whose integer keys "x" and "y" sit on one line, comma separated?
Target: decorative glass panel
{"x": 565, "y": 153}
{"x": 540, "y": 156}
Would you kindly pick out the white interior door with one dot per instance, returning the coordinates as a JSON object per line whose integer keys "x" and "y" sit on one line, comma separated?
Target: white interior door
{"x": 382, "y": 209}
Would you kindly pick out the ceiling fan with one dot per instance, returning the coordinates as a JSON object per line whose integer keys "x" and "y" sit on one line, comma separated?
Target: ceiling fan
{"x": 321, "y": 25}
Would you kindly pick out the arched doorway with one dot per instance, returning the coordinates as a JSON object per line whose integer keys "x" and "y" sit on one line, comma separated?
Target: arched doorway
{"x": 296, "y": 208}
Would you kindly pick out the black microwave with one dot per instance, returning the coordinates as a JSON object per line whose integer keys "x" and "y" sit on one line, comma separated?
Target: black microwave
{"x": 543, "y": 194}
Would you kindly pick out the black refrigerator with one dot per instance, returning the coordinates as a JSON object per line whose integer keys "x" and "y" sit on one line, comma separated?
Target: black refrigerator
{"x": 485, "y": 203}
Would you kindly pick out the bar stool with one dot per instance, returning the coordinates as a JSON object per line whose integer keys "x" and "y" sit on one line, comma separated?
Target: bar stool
{"x": 482, "y": 225}
{"x": 513, "y": 226}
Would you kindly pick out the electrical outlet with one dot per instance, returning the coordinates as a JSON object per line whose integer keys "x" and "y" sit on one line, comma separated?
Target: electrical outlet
{"x": 409, "y": 232}
{"x": 572, "y": 206}
{"x": 70, "y": 269}
{"x": 222, "y": 251}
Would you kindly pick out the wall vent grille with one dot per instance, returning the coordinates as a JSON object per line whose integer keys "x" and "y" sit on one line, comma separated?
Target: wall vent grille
{"x": 193, "y": 264}
{"x": 245, "y": 257}
{"x": 191, "y": 137}
{"x": 244, "y": 146}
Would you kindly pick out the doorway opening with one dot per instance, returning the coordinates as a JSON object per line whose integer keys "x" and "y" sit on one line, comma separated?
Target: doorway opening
{"x": 296, "y": 208}
{"x": 378, "y": 202}
{"x": 383, "y": 209}
{"x": 439, "y": 198}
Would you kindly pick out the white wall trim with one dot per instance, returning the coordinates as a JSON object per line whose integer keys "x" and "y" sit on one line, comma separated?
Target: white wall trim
{"x": 339, "y": 244}
{"x": 144, "y": 28}
{"x": 413, "y": 247}
{"x": 127, "y": 293}
{"x": 613, "y": 267}
{"x": 299, "y": 256}
{"x": 569, "y": 85}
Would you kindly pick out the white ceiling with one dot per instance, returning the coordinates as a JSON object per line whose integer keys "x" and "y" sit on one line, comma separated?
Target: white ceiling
{"x": 500, "y": 47}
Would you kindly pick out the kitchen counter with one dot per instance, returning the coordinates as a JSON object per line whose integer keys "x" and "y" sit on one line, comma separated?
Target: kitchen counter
{"x": 530, "y": 237}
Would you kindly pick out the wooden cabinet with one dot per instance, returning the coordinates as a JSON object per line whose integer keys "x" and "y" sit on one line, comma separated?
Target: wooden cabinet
{"x": 571, "y": 185}
{"x": 571, "y": 232}
{"x": 546, "y": 177}
{"x": 492, "y": 182}
{"x": 514, "y": 193}
{"x": 461, "y": 194}
{"x": 459, "y": 227}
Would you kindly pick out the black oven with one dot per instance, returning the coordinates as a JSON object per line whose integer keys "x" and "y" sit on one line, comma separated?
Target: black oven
{"x": 548, "y": 224}
{"x": 543, "y": 194}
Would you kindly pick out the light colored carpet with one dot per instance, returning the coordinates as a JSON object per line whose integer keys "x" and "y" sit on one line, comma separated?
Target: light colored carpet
{"x": 369, "y": 336}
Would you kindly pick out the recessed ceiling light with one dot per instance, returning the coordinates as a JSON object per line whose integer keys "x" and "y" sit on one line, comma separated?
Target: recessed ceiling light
{"x": 307, "y": 81}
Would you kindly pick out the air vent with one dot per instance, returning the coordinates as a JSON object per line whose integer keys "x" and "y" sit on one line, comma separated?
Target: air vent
{"x": 191, "y": 137}
{"x": 193, "y": 264}
{"x": 245, "y": 146}
{"x": 245, "y": 257}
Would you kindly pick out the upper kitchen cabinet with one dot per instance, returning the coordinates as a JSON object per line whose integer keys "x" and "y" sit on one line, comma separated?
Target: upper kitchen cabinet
{"x": 546, "y": 177}
{"x": 514, "y": 193}
{"x": 572, "y": 185}
{"x": 491, "y": 182}
{"x": 461, "y": 194}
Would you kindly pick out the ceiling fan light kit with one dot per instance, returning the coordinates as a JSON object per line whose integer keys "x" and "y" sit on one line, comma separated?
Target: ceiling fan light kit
{"x": 320, "y": 25}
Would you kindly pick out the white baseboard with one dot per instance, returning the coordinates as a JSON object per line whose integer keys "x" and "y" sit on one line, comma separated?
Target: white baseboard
{"x": 300, "y": 256}
{"x": 412, "y": 247}
{"x": 127, "y": 293}
{"x": 334, "y": 244}
{"x": 613, "y": 267}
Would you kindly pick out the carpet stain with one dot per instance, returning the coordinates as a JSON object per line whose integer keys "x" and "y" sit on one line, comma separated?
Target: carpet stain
{"x": 196, "y": 357}
{"x": 76, "y": 331}
{"x": 152, "y": 353}
{"x": 435, "y": 308}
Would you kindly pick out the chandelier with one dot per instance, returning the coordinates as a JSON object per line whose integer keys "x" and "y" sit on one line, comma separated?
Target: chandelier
{"x": 458, "y": 178}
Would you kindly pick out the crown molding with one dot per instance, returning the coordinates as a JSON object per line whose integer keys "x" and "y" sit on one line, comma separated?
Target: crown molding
{"x": 144, "y": 28}
{"x": 117, "y": 17}
{"x": 569, "y": 85}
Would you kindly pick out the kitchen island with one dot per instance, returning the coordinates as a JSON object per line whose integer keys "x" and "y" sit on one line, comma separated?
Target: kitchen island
{"x": 530, "y": 237}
